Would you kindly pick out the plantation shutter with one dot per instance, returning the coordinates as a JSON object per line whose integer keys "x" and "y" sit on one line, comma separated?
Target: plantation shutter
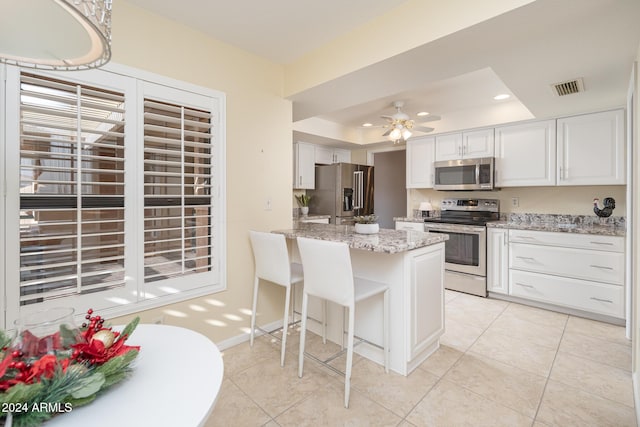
{"x": 71, "y": 189}
{"x": 178, "y": 155}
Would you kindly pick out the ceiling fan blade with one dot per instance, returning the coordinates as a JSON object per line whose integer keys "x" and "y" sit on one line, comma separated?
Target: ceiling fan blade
{"x": 423, "y": 129}
{"x": 387, "y": 117}
{"x": 430, "y": 118}
{"x": 387, "y": 132}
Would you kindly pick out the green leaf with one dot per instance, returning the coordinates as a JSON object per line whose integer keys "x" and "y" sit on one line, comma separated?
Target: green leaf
{"x": 20, "y": 393}
{"x": 87, "y": 386}
{"x": 128, "y": 330}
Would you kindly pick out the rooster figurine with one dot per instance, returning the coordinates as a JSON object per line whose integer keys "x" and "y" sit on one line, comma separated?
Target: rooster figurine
{"x": 607, "y": 210}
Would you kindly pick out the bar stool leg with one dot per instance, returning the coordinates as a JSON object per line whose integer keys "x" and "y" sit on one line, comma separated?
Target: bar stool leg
{"x": 285, "y": 324}
{"x": 347, "y": 377}
{"x": 324, "y": 321}
{"x": 256, "y": 282}
{"x": 386, "y": 320}
{"x": 303, "y": 330}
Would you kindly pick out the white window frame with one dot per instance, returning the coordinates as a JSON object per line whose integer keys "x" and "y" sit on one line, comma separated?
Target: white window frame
{"x": 136, "y": 295}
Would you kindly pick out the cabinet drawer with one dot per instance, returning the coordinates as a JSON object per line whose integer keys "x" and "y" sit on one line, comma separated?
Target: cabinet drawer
{"x": 574, "y": 293}
{"x": 415, "y": 226}
{"x": 574, "y": 240}
{"x": 586, "y": 264}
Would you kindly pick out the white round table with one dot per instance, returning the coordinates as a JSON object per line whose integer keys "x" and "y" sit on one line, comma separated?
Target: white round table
{"x": 175, "y": 382}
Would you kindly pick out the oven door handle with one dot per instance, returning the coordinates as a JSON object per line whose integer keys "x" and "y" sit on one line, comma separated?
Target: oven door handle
{"x": 462, "y": 229}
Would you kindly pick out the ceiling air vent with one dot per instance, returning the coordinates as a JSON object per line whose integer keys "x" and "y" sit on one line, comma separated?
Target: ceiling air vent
{"x": 568, "y": 87}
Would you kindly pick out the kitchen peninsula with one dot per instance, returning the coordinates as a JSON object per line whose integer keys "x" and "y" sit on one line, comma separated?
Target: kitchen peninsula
{"x": 412, "y": 264}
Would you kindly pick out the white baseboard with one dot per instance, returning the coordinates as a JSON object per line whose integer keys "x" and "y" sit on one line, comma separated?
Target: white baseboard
{"x": 636, "y": 395}
{"x": 239, "y": 339}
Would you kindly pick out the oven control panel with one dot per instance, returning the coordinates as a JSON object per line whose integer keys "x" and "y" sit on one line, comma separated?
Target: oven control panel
{"x": 478, "y": 205}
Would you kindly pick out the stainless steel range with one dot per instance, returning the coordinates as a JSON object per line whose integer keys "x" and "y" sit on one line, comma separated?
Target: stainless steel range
{"x": 464, "y": 220}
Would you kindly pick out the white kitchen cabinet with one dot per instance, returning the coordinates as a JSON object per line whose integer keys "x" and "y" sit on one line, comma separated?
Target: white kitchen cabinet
{"x": 314, "y": 220}
{"x": 465, "y": 145}
{"x": 426, "y": 299}
{"x": 304, "y": 174}
{"x": 420, "y": 155}
{"x": 498, "y": 260}
{"x": 329, "y": 155}
{"x": 406, "y": 225}
{"x": 578, "y": 271}
{"x": 591, "y": 149}
{"x": 526, "y": 154}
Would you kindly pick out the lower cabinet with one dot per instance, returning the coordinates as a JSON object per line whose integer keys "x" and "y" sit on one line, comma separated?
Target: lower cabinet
{"x": 405, "y": 225}
{"x": 498, "y": 260}
{"x": 578, "y": 271}
{"x": 426, "y": 299}
{"x": 315, "y": 221}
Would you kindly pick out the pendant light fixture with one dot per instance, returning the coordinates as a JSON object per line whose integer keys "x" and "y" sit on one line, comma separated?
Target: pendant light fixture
{"x": 56, "y": 34}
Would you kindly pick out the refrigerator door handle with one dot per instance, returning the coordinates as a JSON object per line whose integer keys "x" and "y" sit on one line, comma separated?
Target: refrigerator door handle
{"x": 357, "y": 183}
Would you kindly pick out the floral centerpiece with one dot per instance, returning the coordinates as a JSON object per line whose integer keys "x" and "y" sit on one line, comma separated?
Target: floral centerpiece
{"x": 366, "y": 224}
{"x": 34, "y": 386}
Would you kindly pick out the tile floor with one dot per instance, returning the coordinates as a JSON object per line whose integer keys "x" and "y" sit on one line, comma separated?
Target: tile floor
{"x": 499, "y": 364}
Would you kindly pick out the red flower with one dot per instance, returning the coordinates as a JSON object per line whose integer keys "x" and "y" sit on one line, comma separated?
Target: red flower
{"x": 95, "y": 352}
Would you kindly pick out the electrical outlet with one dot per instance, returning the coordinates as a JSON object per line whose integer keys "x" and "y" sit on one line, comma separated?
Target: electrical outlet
{"x": 515, "y": 202}
{"x": 267, "y": 204}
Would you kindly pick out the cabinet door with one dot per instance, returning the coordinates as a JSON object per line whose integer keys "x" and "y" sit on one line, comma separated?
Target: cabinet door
{"x": 498, "y": 260}
{"x": 323, "y": 155}
{"x": 449, "y": 147}
{"x": 342, "y": 156}
{"x": 304, "y": 166}
{"x": 477, "y": 143}
{"x": 591, "y": 149}
{"x": 426, "y": 299}
{"x": 526, "y": 154}
{"x": 420, "y": 154}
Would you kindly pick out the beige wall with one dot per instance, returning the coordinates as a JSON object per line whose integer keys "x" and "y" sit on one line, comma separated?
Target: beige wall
{"x": 259, "y": 154}
{"x": 544, "y": 200}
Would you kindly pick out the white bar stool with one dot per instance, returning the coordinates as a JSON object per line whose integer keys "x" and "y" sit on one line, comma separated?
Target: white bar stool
{"x": 329, "y": 275}
{"x": 272, "y": 264}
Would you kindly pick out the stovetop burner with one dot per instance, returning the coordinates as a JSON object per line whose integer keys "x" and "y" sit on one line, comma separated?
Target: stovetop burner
{"x": 468, "y": 211}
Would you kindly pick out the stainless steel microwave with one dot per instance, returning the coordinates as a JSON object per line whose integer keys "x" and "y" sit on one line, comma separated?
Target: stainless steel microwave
{"x": 464, "y": 174}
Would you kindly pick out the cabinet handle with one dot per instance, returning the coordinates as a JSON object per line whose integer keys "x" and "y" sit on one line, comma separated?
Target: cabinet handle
{"x": 526, "y": 257}
{"x": 602, "y": 300}
{"x": 525, "y": 286}
{"x": 602, "y": 243}
{"x": 601, "y": 266}
{"x": 459, "y": 150}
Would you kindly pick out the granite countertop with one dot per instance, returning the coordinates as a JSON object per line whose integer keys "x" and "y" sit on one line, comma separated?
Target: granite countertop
{"x": 386, "y": 241}
{"x": 612, "y": 226}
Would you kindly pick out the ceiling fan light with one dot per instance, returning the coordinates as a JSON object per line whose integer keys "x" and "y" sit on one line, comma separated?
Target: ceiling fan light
{"x": 395, "y": 134}
{"x": 406, "y": 134}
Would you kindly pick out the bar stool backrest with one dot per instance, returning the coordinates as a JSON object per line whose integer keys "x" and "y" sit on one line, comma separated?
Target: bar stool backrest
{"x": 327, "y": 270}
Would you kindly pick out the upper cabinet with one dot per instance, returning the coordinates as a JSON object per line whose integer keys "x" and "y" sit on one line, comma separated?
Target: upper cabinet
{"x": 420, "y": 155}
{"x": 304, "y": 174}
{"x": 328, "y": 155}
{"x": 591, "y": 149}
{"x": 465, "y": 145}
{"x": 526, "y": 154}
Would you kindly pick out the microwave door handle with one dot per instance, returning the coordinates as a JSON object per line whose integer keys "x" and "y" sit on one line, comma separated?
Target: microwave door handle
{"x": 477, "y": 173}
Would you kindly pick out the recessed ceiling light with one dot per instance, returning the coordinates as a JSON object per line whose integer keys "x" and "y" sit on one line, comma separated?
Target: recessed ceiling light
{"x": 366, "y": 125}
{"x": 423, "y": 113}
{"x": 501, "y": 96}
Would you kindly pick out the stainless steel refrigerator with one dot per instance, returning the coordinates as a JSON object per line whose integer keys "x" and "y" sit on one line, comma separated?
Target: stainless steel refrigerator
{"x": 343, "y": 190}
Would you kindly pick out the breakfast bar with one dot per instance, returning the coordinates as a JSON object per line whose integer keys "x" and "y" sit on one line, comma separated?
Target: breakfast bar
{"x": 412, "y": 264}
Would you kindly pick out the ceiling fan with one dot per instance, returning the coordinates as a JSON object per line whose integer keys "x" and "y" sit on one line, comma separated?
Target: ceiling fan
{"x": 401, "y": 126}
